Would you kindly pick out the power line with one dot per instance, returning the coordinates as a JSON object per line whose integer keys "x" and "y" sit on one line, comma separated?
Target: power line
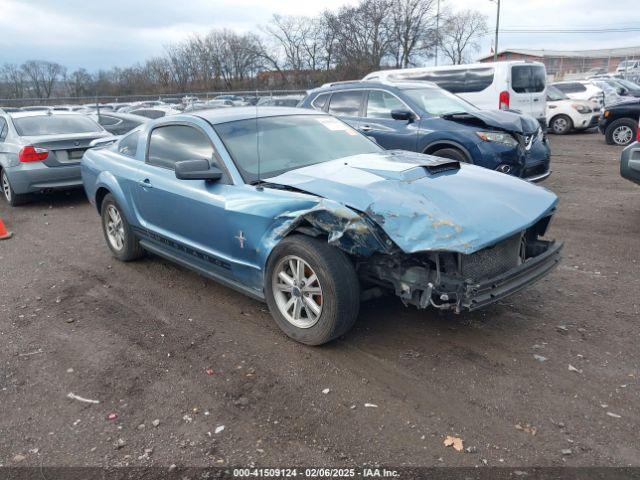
{"x": 571, "y": 30}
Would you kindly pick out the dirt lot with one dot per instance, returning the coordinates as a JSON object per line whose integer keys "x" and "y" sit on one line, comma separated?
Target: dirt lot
{"x": 139, "y": 338}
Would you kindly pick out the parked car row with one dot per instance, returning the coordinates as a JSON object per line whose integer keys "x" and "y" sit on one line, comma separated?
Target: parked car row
{"x": 314, "y": 209}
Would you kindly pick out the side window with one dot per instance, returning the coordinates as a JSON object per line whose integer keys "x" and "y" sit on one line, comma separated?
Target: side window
{"x": 346, "y": 104}
{"x": 567, "y": 87}
{"x": 320, "y": 101}
{"x": 380, "y": 104}
{"x": 478, "y": 79}
{"x": 175, "y": 143}
{"x": 451, "y": 80}
{"x": 4, "y": 130}
{"x": 528, "y": 78}
{"x": 128, "y": 146}
{"x": 573, "y": 87}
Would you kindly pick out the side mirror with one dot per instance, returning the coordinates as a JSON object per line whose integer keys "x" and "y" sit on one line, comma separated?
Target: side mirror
{"x": 402, "y": 115}
{"x": 622, "y": 91}
{"x": 197, "y": 170}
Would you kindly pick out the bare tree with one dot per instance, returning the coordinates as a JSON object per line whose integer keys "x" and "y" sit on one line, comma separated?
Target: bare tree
{"x": 80, "y": 83}
{"x": 460, "y": 35}
{"x": 290, "y": 51}
{"x": 413, "y": 30}
{"x": 42, "y": 76}
{"x": 363, "y": 36}
{"x": 13, "y": 77}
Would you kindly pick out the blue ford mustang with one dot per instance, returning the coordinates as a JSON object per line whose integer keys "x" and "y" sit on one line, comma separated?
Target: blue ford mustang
{"x": 297, "y": 208}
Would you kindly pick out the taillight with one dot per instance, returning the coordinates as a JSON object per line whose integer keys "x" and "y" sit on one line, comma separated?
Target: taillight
{"x": 32, "y": 154}
{"x": 504, "y": 100}
{"x": 638, "y": 132}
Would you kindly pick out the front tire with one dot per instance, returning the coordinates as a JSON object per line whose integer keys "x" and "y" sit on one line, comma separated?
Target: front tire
{"x": 10, "y": 196}
{"x": 451, "y": 154}
{"x": 561, "y": 125}
{"x": 312, "y": 290}
{"x": 621, "y": 132}
{"x": 117, "y": 232}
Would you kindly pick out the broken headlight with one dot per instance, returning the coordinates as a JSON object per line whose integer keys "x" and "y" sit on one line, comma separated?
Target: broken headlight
{"x": 498, "y": 137}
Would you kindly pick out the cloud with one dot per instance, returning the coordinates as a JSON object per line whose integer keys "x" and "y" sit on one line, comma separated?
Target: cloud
{"x": 100, "y": 34}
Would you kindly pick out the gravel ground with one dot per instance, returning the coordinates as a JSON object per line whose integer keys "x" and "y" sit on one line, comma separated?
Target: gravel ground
{"x": 548, "y": 377}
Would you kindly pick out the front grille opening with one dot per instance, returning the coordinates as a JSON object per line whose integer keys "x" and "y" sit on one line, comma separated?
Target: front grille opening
{"x": 494, "y": 260}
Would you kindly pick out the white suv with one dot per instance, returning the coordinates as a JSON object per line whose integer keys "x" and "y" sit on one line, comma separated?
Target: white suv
{"x": 565, "y": 114}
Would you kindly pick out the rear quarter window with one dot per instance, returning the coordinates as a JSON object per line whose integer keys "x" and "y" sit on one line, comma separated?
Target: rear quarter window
{"x": 128, "y": 146}
{"x": 320, "y": 101}
{"x": 3, "y": 129}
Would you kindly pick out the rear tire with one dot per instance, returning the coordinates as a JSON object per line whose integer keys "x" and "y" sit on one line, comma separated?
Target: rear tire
{"x": 118, "y": 233}
{"x": 561, "y": 124}
{"x": 14, "y": 199}
{"x": 621, "y": 132}
{"x": 451, "y": 154}
{"x": 326, "y": 287}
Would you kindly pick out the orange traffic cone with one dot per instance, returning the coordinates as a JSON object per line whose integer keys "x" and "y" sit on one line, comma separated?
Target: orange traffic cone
{"x": 4, "y": 234}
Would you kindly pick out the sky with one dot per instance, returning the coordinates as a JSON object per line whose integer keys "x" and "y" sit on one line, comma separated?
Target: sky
{"x": 98, "y": 34}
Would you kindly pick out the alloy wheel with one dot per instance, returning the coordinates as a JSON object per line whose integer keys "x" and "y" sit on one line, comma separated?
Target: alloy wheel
{"x": 560, "y": 125}
{"x": 622, "y": 135}
{"x": 297, "y": 292}
{"x": 6, "y": 188}
{"x": 115, "y": 228}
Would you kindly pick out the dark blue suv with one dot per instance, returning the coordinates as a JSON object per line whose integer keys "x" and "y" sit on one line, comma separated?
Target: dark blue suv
{"x": 421, "y": 117}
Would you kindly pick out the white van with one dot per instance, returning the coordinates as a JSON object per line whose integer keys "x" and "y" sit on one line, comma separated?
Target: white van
{"x": 517, "y": 85}
{"x": 628, "y": 67}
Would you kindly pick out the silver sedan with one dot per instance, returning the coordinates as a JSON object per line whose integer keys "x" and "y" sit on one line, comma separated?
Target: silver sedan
{"x": 41, "y": 151}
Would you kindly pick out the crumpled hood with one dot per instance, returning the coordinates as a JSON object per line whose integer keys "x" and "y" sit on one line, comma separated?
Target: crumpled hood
{"x": 499, "y": 119}
{"x": 461, "y": 210}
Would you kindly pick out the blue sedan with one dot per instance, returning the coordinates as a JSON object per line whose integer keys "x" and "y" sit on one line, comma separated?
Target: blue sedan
{"x": 298, "y": 209}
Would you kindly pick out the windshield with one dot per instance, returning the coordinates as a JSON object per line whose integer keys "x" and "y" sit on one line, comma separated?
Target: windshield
{"x": 55, "y": 125}
{"x": 604, "y": 86}
{"x": 554, "y": 94}
{"x": 436, "y": 101}
{"x": 288, "y": 142}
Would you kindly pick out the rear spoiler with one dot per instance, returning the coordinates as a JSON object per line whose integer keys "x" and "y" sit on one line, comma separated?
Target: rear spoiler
{"x": 103, "y": 142}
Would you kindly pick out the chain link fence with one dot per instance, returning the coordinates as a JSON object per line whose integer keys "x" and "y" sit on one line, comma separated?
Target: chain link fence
{"x": 184, "y": 97}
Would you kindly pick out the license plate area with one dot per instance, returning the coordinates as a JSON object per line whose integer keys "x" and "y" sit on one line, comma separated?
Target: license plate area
{"x": 76, "y": 154}
{"x": 70, "y": 156}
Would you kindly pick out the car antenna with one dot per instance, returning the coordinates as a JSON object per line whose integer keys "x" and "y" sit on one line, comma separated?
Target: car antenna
{"x": 258, "y": 187}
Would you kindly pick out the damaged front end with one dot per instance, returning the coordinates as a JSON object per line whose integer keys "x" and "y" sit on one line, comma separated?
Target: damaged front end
{"x": 457, "y": 281}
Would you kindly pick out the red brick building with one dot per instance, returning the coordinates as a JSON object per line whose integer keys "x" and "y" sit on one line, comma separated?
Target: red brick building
{"x": 560, "y": 63}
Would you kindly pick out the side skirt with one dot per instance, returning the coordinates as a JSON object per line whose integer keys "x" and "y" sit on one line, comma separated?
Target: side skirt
{"x": 147, "y": 245}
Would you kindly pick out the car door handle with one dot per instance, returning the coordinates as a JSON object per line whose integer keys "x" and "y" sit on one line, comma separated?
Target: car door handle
{"x": 146, "y": 183}
{"x": 366, "y": 128}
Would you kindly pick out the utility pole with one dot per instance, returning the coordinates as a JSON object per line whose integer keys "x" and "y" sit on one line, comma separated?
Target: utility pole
{"x": 437, "y": 31}
{"x": 495, "y": 45}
